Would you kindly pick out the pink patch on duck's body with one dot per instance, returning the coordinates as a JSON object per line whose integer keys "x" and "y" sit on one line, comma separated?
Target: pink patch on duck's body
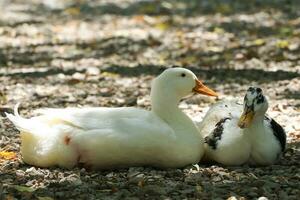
{"x": 67, "y": 140}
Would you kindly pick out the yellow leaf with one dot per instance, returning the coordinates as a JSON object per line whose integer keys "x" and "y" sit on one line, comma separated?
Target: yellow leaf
{"x": 259, "y": 42}
{"x": 215, "y": 49}
{"x": 3, "y": 99}
{"x": 7, "y": 155}
{"x": 219, "y": 30}
{"x": 162, "y": 26}
{"x": 199, "y": 188}
{"x": 45, "y": 198}
{"x": 109, "y": 74}
{"x": 224, "y": 8}
{"x": 282, "y": 44}
{"x": 189, "y": 60}
{"x": 23, "y": 188}
{"x": 73, "y": 11}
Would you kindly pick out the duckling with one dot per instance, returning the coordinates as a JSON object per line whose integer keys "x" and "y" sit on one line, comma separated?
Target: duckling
{"x": 104, "y": 138}
{"x": 241, "y": 133}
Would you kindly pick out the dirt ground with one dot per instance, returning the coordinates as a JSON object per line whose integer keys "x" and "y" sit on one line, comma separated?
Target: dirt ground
{"x": 57, "y": 53}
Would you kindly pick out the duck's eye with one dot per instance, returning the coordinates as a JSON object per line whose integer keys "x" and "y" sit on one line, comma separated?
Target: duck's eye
{"x": 260, "y": 99}
{"x": 251, "y": 89}
{"x": 258, "y": 90}
{"x": 182, "y": 75}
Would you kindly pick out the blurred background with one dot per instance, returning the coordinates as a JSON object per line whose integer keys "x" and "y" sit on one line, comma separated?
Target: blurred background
{"x": 262, "y": 34}
{"x": 72, "y": 46}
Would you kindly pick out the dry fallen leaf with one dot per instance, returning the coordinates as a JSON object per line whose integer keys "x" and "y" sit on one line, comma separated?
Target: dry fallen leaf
{"x": 7, "y": 155}
{"x": 45, "y": 198}
{"x": 72, "y": 11}
{"x": 259, "y": 42}
{"x": 9, "y": 197}
{"x": 23, "y": 188}
{"x": 3, "y": 98}
{"x": 282, "y": 44}
{"x": 141, "y": 183}
{"x": 109, "y": 74}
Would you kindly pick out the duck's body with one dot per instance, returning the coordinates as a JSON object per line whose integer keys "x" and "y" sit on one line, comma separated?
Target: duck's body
{"x": 116, "y": 137}
{"x": 268, "y": 141}
{"x": 218, "y": 111}
{"x": 260, "y": 143}
{"x": 225, "y": 142}
{"x": 108, "y": 137}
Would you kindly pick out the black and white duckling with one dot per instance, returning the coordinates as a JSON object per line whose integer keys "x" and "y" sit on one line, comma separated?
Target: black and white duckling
{"x": 241, "y": 133}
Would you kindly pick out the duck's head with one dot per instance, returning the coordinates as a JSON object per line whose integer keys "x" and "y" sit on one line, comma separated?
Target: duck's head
{"x": 255, "y": 104}
{"x": 182, "y": 82}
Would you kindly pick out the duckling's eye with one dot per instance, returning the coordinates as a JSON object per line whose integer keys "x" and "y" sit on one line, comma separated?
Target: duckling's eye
{"x": 260, "y": 99}
{"x": 251, "y": 89}
{"x": 258, "y": 90}
{"x": 182, "y": 75}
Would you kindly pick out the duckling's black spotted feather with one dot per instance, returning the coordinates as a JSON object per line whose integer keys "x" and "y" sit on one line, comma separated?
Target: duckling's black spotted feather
{"x": 279, "y": 133}
{"x": 216, "y": 135}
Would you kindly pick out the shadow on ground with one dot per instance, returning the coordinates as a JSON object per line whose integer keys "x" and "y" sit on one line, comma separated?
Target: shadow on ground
{"x": 218, "y": 75}
{"x": 187, "y": 8}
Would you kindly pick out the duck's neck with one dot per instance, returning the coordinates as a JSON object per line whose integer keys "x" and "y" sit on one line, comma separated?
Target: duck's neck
{"x": 256, "y": 127}
{"x": 165, "y": 106}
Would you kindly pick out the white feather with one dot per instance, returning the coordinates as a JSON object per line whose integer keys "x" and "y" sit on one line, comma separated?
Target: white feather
{"x": 256, "y": 144}
{"x": 116, "y": 137}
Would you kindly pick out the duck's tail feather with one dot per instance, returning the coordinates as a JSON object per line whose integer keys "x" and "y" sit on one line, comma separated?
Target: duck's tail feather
{"x": 21, "y": 123}
{"x": 16, "y": 109}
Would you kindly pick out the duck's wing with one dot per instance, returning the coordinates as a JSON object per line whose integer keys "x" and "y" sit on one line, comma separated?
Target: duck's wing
{"x": 220, "y": 110}
{"x": 124, "y": 119}
{"x": 138, "y": 132}
{"x": 212, "y": 139}
{"x": 91, "y": 118}
{"x": 277, "y": 130}
{"x": 127, "y": 142}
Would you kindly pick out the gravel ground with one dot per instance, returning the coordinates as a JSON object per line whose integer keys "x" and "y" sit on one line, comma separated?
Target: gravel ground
{"x": 105, "y": 53}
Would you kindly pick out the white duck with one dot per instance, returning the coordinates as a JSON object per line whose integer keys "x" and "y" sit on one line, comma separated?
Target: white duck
{"x": 118, "y": 137}
{"x": 236, "y": 134}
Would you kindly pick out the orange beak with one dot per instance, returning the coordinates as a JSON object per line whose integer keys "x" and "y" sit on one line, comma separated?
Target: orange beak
{"x": 202, "y": 89}
{"x": 246, "y": 119}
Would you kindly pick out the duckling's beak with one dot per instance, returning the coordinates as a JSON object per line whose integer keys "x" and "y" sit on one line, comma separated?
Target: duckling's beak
{"x": 246, "y": 118}
{"x": 202, "y": 89}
